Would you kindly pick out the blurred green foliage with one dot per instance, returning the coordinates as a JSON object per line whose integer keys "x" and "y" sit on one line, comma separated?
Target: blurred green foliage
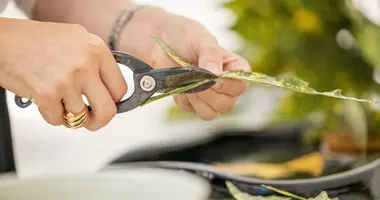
{"x": 328, "y": 43}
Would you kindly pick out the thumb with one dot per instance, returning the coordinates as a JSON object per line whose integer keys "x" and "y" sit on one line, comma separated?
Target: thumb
{"x": 210, "y": 57}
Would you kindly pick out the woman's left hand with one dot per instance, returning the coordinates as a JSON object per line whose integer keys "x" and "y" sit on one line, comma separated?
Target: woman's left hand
{"x": 194, "y": 43}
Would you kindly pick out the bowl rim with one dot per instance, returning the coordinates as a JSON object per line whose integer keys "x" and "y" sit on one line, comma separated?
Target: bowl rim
{"x": 371, "y": 166}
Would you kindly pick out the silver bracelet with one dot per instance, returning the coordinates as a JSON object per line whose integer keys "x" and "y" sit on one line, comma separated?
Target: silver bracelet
{"x": 124, "y": 17}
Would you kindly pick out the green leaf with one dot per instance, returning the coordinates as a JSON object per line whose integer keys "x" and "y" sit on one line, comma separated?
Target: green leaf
{"x": 171, "y": 52}
{"x": 239, "y": 195}
{"x": 284, "y": 192}
{"x": 290, "y": 83}
{"x": 323, "y": 196}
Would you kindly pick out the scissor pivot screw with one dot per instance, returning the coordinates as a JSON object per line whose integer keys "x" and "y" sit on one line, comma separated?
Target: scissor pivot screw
{"x": 147, "y": 83}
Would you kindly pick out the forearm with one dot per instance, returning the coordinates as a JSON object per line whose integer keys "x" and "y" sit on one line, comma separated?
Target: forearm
{"x": 97, "y": 16}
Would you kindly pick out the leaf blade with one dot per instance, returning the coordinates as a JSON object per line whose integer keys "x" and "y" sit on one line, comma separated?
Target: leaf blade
{"x": 290, "y": 83}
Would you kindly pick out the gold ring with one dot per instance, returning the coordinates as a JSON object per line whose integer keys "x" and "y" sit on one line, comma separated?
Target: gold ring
{"x": 76, "y": 120}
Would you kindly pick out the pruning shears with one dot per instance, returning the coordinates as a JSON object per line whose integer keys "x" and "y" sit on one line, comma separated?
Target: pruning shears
{"x": 149, "y": 81}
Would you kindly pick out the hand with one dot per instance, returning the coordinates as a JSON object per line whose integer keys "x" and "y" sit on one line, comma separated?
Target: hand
{"x": 194, "y": 43}
{"x": 56, "y": 64}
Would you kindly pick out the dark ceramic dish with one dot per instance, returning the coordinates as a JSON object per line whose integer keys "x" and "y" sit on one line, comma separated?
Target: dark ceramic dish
{"x": 358, "y": 183}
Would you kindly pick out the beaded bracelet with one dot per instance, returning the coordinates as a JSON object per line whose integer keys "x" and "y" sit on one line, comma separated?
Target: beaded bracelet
{"x": 124, "y": 17}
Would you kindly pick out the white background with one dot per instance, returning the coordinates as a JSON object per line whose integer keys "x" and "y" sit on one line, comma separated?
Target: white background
{"x": 41, "y": 148}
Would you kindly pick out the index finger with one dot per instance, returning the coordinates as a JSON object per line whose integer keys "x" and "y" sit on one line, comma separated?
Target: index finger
{"x": 103, "y": 108}
{"x": 110, "y": 72}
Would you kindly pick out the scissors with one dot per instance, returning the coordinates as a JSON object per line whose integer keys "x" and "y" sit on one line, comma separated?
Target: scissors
{"x": 149, "y": 81}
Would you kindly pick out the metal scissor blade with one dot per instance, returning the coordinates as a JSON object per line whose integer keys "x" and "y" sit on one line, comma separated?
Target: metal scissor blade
{"x": 189, "y": 76}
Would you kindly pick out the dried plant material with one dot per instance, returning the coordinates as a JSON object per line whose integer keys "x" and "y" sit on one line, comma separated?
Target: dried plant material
{"x": 264, "y": 171}
{"x": 290, "y": 83}
{"x": 239, "y": 195}
{"x": 312, "y": 164}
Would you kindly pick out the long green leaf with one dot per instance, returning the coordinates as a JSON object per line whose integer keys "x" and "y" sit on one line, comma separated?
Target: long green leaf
{"x": 290, "y": 83}
{"x": 171, "y": 52}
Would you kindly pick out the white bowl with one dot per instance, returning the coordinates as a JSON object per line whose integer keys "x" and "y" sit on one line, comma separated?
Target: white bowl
{"x": 123, "y": 184}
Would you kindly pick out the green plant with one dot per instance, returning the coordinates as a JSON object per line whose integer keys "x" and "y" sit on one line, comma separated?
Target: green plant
{"x": 327, "y": 42}
{"x": 239, "y": 195}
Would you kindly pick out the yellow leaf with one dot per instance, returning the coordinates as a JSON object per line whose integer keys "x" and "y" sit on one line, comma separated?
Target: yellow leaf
{"x": 312, "y": 164}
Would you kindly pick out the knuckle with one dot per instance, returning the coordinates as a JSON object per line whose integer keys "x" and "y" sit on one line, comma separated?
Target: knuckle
{"x": 82, "y": 69}
{"x": 75, "y": 28}
{"x": 44, "y": 96}
{"x": 95, "y": 47}
{"x": 79, "y": 27}
{"x": 96, "y": 42}
{"x": 64, "y": 83}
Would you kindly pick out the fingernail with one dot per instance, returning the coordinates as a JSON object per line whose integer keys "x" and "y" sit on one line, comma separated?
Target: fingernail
{"x": 212, "y": 67}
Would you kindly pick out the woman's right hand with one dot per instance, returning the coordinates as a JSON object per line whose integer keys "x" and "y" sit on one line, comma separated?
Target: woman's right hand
{"x": 58, "y": 63}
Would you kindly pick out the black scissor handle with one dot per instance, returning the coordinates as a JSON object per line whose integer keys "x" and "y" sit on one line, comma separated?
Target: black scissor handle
{"x": 20, "y": 103}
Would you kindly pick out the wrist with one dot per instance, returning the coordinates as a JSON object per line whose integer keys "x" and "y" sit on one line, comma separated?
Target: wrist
{"x": 122, "y": 20}
{"x": 135, "y": 38}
